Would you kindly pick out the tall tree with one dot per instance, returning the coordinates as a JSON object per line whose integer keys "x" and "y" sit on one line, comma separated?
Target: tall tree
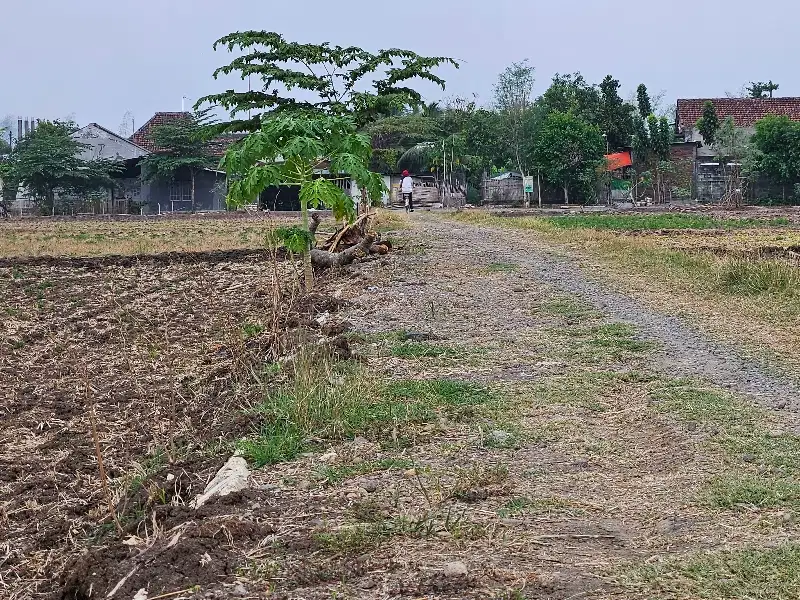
{"x": 643, "y": 101}
{"x": 48, "y": 161}
{"x": 287, "y": 150}
{"x": 318, "y": 77}
{"x": 570, "y": 94}
{"x": 616, "y": 117}
{"x": 570, "y": 153}
{"x": 181, "y": 147}
{"x": 708, "y": 123}
{"x": 513, "y": 98}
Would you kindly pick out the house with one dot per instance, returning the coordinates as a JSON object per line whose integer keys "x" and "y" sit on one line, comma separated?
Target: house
{"x": 101, "y": 143}
{"x": 169, "y": 196}
{"x": 708, "y": 181}
{"x": 745, "y": 112}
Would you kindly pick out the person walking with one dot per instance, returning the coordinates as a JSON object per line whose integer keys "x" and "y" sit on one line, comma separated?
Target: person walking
{"x": 407, "y": 189}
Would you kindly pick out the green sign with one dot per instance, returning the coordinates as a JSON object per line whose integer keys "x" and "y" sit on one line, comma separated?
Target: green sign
{"x": 527, "y": 181}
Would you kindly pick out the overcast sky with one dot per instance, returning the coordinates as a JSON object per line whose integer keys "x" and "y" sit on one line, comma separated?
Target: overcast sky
{"x": 96, "y": 59}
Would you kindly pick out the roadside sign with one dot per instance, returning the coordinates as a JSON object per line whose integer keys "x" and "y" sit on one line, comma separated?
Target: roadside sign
{"x": 527, "y": 181}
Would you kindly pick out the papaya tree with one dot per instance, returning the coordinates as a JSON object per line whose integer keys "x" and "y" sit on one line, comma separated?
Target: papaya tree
{"x": 292, "y": 150}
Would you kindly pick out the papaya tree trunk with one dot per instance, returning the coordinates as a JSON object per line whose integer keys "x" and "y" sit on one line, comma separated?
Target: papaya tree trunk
{"x": 566, "y": 194}
{"x": 308, "y": 270}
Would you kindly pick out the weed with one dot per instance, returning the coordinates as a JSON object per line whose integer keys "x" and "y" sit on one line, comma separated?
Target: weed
{"x": 523, "y": 504}
{"x": 355, "y": 539}
{"x": 749, "y": 574}
{"x": 336, "y": 475}
{"x": 502, "y": 267}
{"x": 337, "y": 402}
{"x": 746, "y": 276}
{"x": 251, "y": 330}
{"x": 422, "y": 350}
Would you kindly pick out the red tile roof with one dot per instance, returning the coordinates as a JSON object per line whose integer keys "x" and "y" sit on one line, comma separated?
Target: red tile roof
{"x": 143, "y": 138}
{"x": 745, "y": 111}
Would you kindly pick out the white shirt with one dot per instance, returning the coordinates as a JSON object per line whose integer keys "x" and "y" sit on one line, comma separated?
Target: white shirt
{"x": 407, "y": 185}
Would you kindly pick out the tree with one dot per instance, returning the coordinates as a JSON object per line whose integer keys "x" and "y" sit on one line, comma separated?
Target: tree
{"x": 181, "y": 147}
{"x": 777, "y": 141}
{"x": 287, "y": 150}
{"x": 761, "y": 89}
{"x": 513, "y": 98}
{"x": 570, "y": 94}
{"x": 732, "y": 149}
{"x": 643, "y": 101}
{"x": 48, "y": 161}
{"x": 708, "y": 123}
{"x": 318, "y": 77}
{"x": 570, "y": 153}
{"x": 615, "y": 116}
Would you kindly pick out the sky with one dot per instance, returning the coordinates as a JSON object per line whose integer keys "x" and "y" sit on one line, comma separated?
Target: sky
{"x": 96, "y": 60}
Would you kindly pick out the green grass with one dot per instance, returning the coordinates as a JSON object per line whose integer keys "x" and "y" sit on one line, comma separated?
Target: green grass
{"x": 338, "y": 402}
{"x": 656, "y": 222}
{"x": 752, "y": 491}
{"x": 502, "y": 267}
{"x": 609, "y": 342}
{"x": 567, "y": 307}
{"x": 338, "y": 474}
{"x": 743, "y": 276}
{"x": 749, "y": 574}
{"x": 422, "y": 350}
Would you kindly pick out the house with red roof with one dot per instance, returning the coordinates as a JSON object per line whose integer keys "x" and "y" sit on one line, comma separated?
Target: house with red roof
{"x": 708, "y": 177}
{"x": 745, "y": 112}
{"x": 171, "y": 196}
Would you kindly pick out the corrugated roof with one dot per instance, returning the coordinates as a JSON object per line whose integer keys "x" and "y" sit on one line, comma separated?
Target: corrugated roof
{"x": 618, "y": 160}
{"x": 745, "y": 111}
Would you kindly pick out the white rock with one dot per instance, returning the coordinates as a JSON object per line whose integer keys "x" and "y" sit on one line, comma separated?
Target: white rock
{"x": 329, "y": 457}
{"x": 232, "y": 477}
{"x": 141, "y": 595}
{"x": 455, "y": 569}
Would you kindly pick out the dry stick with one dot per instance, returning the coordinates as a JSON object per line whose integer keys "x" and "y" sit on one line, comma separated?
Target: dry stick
{"x": 99, "y": 454}
{"x": 191, "y": 589}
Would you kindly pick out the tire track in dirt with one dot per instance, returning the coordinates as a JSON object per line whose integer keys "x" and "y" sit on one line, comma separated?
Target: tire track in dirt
{"x": 685, "y": 350}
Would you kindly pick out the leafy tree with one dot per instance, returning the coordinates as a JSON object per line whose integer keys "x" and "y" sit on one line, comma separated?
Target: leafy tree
{"x": 318, "y": 77}
{"x": 777, "y": 141}
{"x": 287, "y": 150}
{"x": 708, "y": 123}
{"x": 570, "y": 94}
{"x": 570, "y": 152}
{"x": 48, "y": 161}
{"x": 513, "y": 98}
{"x": 761, "y": 89}
{"x": 643, "y": 101}
{"x": 181, "y": 147}
{"x": 615, "y": 116}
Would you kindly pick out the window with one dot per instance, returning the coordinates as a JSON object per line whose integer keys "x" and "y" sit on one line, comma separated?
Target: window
{"x": 180, "y": 192}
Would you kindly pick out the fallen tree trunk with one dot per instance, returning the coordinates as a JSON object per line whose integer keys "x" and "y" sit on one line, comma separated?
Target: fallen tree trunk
{"x": 326, "y": 260}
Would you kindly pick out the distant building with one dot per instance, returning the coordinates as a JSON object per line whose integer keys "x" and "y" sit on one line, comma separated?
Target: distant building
{"x": 708, "y": 181}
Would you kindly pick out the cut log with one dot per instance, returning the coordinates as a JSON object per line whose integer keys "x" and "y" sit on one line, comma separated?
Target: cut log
{"x": 326, "y": 260}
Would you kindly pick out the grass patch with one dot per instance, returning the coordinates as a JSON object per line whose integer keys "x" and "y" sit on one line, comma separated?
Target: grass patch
{"x": 749, "y": 574}
{"x": 338, "y": 474}
{"x": 656, "y": 222}
{"x": 742, "y": 276}
{"x": 750, "y": 491}
{"x": 525, "y": 505}
{"x": 604, "y": 343}
{"x": 422, "y": 350}
{"x": 337, "y": 402}
{"x": 502, "y": 267}
{"x": 569, "y": 308}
